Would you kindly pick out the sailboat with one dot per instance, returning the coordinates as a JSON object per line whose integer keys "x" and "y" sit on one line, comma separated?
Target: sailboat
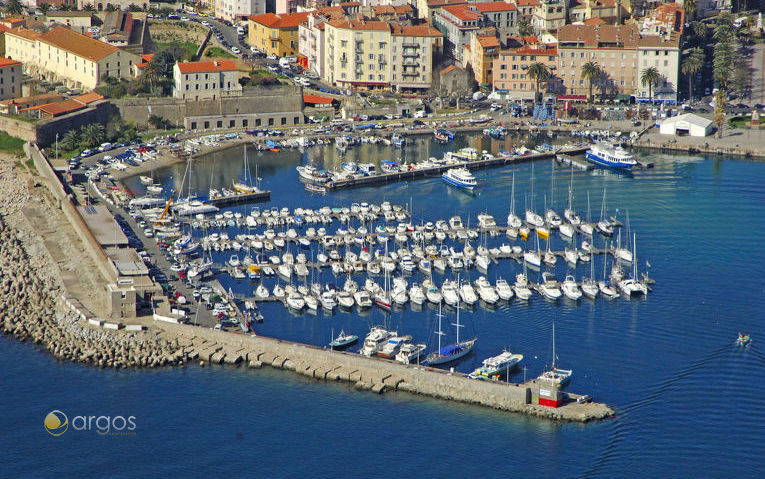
{"x": 604, "y": 285}
{"x": 551, "y": 216}
{"x": 451, "y": 352}
{"x": 513, "y": 221}
{"x": 532, "y": 217}
{"x": 586, "y": 227}
{"x": 383, "y": 298}
{"x": 569, "y": 212}
{"x": 190, "y": 205}
{"x": 604, "y": 226}
{"x": 245, "y": 186}
{"x": 589, "y": 286}
{"x": 631, "y": 286}
{"x": 555, "y": 375}
{"x": 533, "y": 258}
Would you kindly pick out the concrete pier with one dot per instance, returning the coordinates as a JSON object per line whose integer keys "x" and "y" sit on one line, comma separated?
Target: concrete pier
{"x": 379, "y": 375}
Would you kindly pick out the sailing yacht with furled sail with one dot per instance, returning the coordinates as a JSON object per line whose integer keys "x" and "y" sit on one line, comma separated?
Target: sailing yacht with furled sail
{"x": 533, "y": 217}
{"x": 555, "y": 375}
{"x": 513, "y": 221}
{"x": 452, "y": 352}
{"x": 245, "y": 186}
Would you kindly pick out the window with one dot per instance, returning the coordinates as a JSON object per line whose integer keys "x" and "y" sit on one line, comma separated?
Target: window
{"x": 270, "y": 122}
{"x": 207, "y": 125}
{"x": 284, "y": 120}
{"x": 232, "y": 123}
{"x": 193, "y": 125}
{"x": 257, "y": 122}
{"x": 295, "y": 120}
{"x": 371, "y": 77}
{"x": 219, "y": 124}
{"x": 244, "y": 123}
{"x": 371, "y": 56}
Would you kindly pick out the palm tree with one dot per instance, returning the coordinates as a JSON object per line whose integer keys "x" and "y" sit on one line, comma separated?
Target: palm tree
{"x": 650, "y": 77}
{"x": 14, "y": 7}
{"x": 692, "y": 64}
{"x": 538, "y": 72}
{"x": 690, "y": 8}
{"x": 70, "y": 139}
{"x": 591, "y": 71}
{"x": 44, "y": 8}
{"x": 719, "y": 117}
{"x": 92, "y": 134}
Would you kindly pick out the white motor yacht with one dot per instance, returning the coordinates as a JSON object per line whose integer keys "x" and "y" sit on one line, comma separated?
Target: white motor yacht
{"x": 549, "y": 287}
{"x": 504, "y": 291}
{"x": 571, "y": 289}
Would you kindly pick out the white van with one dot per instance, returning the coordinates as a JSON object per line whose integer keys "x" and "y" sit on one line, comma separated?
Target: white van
{"x": 420, "y": 114}
{"x": 284, "y": 62}
{"x": 105, "y": 147}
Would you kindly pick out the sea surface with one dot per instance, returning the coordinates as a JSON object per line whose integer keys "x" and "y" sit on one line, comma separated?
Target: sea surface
{"x": 688, "y": 402}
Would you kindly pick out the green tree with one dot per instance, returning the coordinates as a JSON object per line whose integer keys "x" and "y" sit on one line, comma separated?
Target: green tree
{"x": 162, "y": 62}
{"x": 524, "y": 27}
{"x": 650, "y": 77}
{"x": 725, "y": 50}
{"x": 539, "y": 73}
{"x": 70, "y": 140}
{"x": 591, "y": 72}
{"x": 158, "y": 122}
{"x": 44, "y": 8}
{"x": 134, "y": 8}
{"x": 88, "y": 7}
{"x": 14, "y": 7}
{"x": 719, "y": 117}
{"x": 92, "y": 135}
{"x": 692, "y": 64}
{"x": 110, "y": 7}
{"x": 690, "y": 8}
{"x": 65, "y": 8}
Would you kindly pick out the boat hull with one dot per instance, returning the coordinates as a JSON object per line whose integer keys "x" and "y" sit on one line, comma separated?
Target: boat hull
{"x": 607, "y": 163}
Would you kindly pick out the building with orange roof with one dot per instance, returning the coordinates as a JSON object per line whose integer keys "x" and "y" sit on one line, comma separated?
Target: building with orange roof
{"x": 549, "y": 16}
{"x": 663, "y": 20}
{"x": 275, "y": 34}
{"x": 460, "y": 23}
{"x": 373, "y": 54}
{"x": 583, "y": 10}
{"x": 526, "y": 8}
{"x": 311, "y": 38}
{"x": 427, "y": 9}
{"x": 206, "y": 80}
{"x": 484, "y": 49}
{"x": 63, "y": 55}
{"x": 10, "y": 78}
{"x": 3, "y": 29}
{"x": 509, "y": 71}
{"x": 13, "y": 105}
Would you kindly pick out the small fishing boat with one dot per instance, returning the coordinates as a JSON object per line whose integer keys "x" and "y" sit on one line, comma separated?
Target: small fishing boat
{"x": 743, "y": 339}
{"x": 343, "y": 340}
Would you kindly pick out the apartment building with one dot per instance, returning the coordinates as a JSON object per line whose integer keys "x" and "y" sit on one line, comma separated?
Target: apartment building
{"x": 10, "y": 78}
{"x": 581, "y": 10}
{"x": 63, "y": 55}
{"x": 509, "y": 71}
{"x": 457, "y": 23}
{"x": 483, "y": 50}
{"x": 275, "y": 34}
{"x": 206, "y": 80}
{"x": 663, "y": 53}
{"x": 375, "y": 54}
{"x": 613, "y": 47}
{"x": 503, "y": 16}
{"x": 235, "y": 10}
{"x": 549, "y": 16}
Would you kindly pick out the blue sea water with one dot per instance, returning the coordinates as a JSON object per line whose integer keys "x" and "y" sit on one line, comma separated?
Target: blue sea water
{"x": 687, "y": 401}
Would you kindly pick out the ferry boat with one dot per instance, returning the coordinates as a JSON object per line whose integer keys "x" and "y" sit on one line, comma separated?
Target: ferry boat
{"x": 497, "y": 365}
{"x": 460, "y": 177}
{"x": 611, "y": 156}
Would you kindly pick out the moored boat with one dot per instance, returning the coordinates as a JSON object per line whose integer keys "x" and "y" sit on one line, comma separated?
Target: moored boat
{"x": 497, "y": 365}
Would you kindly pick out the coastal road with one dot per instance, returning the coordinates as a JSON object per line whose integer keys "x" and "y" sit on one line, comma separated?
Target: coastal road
{"x": 758, "y": 74}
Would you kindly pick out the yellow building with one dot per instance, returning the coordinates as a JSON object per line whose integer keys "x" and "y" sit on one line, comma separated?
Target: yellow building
{"x": 276, "y": 34}
{"x": 63, "y": 55}
{"x": 483, "y": 49}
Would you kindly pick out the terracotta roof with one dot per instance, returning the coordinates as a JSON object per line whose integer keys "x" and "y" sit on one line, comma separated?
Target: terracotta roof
{"x": 462, "y": 12}
{"x": 488, "y": 41}
{"x": 317, "y": 100}
{"x": 207, "y": 67}
{"x": 441, "y": 3}
{"x": 71, "y": 13}
{"x": 29, "y": 99}
{"x": 286, "y": 21}
{"x": 350, "y": 4}
{"x": 415, "y": 31}
{"x": 598, "y": 36}
{"x": 332, "y": 12}
{"x": 3, "y": 28}
{"x": 401, "y": 9}
{"x": 536, "y": 51}
{"x": 527, "y": 3}
{"x": 147, "y": 57}
{"x": 89, "y": 97}
{"x": 660, "y": 40}
{"x": 383, "y": 10}
{"x": 594, "y": 21}
{"x": 7, "y": 62}
{"x": 24, "y": 33}
{"x": 450, "y": 68}
{"x": 58, "y": 108}
{"x": 359, "y": 25}
{"x": 494, "y": 7}
{"x": 77, "y": 44}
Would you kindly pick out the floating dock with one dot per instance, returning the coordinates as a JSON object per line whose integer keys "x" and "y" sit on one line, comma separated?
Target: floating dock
{"x": 264, "y": 195}
{"x": 437, "y": 170}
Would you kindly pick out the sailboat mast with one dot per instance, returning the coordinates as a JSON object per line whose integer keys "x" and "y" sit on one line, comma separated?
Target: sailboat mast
{"x": 512, "y": 196}
{"x": 634, "y": 257}
{"x": 553, "y": 360}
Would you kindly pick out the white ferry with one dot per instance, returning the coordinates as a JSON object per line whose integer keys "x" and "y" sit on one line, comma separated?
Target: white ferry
{"x": 460, "y": 177}
{"x": 611, "y": 156}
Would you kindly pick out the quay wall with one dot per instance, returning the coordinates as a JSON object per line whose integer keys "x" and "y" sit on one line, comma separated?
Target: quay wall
{"x": 105, "y": 266}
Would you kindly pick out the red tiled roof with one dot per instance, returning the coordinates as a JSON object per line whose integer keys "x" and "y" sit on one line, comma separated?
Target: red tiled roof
{"x": 536, "y": 51}
{"x": 207, "y": 67}
{"x": 317, "y": 100}
{"x": 89, "y": 97}
{"x": 462, "y": 12}
{"x": 494, "y": 6}
{"x": 383, "y": 10}
{"x": 78, "y": 44}
{"x": 594, "y": 21}
{"x": 527, "y": 3}
{"x": 147, "y": 57}
{"x": 406, "y": 8}
{"x": 359, "y": 24}
{"x": 7, "y": 62}
{"x": 450, "y": 68}
{"x": 58, "y": 108}
{"x": 488, "y": 41}
{"x": 286, "y": 21}
{"x": 24, "y": 33}
{"x": 415, "y": 31}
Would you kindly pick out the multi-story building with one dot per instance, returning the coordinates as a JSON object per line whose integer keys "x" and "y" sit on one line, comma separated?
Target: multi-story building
{"x": 375, "y": 54}
{"x": 484, "y": 49}
{"x": 581, "y": 10}
{"x": 614, "y": 48}
{"x": 10, "y": 78}
{"x": 663, "y": 20}
{"x": 457, "y": 23}
{"x": 206, "y": 80}
{"x": 63, "y": 55}
{"x": 427, "y": 9}
{"x": 276, "y": 34}
{"x": 526, "y": 8}
{"x": 415, "y": 46}
{"x": 503, "y": 16}
{"x": 289, "y": 6}
{"x": 510, "y": 78}
{"x": 311, "y": 43}
{"x": 235, "y": 10}
{"x": 663, "y": 53}
{"x": 549, "y": 16}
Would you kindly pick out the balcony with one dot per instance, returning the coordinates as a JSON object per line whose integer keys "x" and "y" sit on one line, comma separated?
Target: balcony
{"x": 411, "y": 54}
{"x": 411, "y": 45}
{"x": 358, "y": 59}
{"x": 410, "y": 74}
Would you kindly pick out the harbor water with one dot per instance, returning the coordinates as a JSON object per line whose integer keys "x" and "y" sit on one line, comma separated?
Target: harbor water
{"x": 687, "y": 400}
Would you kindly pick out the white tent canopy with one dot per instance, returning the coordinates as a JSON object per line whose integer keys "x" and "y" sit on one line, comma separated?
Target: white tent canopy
{"x": 687, "y": 124}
